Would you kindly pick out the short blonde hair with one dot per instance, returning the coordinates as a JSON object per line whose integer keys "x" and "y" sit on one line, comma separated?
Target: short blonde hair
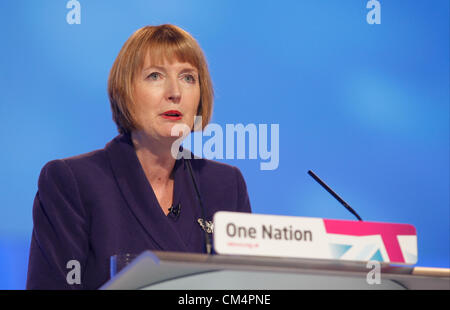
{"x": 159, "y": 43}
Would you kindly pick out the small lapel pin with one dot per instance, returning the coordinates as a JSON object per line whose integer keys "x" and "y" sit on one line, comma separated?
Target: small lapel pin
{"x": 207, "y": 226}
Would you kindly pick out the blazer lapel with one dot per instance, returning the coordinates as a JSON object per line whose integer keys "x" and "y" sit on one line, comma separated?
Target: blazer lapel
{"x": 184, "y": 192}
{"x": 139, "y": 194}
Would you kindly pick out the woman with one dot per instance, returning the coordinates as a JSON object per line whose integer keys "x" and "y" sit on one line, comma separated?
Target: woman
{"x": 134, "y": 195}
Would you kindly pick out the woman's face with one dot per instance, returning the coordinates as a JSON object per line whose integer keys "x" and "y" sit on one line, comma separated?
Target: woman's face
{"x": 165, "y": 95}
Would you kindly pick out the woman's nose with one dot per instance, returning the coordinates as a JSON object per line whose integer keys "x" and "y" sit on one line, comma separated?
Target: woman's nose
{"x": 173, "y": 90}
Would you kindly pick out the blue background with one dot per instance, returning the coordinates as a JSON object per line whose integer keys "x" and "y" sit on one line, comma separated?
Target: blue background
{"x": 364, "y": 106}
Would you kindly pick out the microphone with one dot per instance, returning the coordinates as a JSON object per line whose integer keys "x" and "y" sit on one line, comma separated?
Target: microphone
{"x": 208, "y": 244}
{"x": 346, "y": 205}
{"x": 175, "y": 210}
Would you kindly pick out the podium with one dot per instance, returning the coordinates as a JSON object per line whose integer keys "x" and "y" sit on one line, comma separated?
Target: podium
{"x": 154, "y": 270}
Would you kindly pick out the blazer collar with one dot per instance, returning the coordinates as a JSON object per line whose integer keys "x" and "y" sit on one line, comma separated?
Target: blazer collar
{"x": 139, "y": 194}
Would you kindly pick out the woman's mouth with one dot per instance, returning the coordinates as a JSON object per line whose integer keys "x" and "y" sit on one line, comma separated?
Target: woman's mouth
{"x": 173, "y": 115}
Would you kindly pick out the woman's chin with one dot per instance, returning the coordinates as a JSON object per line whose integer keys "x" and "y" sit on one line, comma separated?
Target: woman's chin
{"x": 170, "y": 137}
{"x": 175, "y": 131}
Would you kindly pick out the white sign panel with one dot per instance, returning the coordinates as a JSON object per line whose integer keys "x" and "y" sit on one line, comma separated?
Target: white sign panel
{"x": 305, "y": 237}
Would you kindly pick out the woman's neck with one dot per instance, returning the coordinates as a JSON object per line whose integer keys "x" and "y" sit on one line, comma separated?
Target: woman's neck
{"x": 155, "y": 157}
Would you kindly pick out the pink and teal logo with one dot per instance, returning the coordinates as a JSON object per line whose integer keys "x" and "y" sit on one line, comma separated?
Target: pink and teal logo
{"x": 384, "y": 242}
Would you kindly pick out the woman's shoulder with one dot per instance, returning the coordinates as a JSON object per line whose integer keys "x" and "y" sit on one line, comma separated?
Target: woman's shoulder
{"x": 83, "y": 161}
{"x": 207, "y": 165}
{"x": 224, "y": 182}
{"x": 93, "y": 163}
{"x": 212, "y": 171}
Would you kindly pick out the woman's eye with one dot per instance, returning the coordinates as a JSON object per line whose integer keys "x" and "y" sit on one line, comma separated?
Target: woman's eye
{"x": 189, "y": 78}
{"x": 153, "y": 76}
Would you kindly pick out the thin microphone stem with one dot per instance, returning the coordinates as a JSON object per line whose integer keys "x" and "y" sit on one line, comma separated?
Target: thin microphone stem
{"x": 346, "y": 205}
{"x": 208, "y": 241}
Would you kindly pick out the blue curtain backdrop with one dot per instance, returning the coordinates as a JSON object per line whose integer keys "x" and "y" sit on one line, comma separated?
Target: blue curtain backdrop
{"x": 364, "y": 106}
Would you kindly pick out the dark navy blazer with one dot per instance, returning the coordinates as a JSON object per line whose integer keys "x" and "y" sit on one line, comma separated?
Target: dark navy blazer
{"x": 92, "y": 206}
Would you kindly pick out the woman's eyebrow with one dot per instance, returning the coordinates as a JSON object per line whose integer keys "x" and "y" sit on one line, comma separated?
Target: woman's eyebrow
{"x": 154, "y": 67}
{"x": 189, "y": 70}
{"x": 184, "y": 70}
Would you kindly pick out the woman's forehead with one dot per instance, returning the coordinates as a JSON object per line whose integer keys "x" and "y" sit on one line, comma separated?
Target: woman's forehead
{"x": 166, "y": 62}
{"x": 159, "y": 56}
